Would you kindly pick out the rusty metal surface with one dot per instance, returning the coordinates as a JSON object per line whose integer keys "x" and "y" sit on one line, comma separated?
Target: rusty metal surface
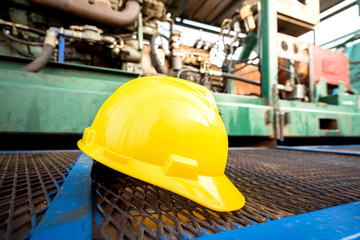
{"x": 97, "y": 11}
{"x": 276, "y": 183}
{"x": 29, "y": 181}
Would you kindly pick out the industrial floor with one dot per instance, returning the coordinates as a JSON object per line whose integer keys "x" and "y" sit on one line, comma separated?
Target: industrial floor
{"x": 276, "y": 183}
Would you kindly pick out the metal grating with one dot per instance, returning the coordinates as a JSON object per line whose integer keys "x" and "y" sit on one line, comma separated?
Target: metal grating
{"x": 275, "y": 183}
{"x": 28, "y": 183}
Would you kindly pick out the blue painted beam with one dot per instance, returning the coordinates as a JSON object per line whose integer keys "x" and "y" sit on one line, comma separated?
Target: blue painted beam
{"x": 61, "y": 57}
{"x": 324, "y": 149}
{"x": 341, "y": 222}
{"x": 69, "y": 215}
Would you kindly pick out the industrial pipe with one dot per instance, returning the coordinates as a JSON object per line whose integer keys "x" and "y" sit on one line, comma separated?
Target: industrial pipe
{"x": 40, "y": 62}
{"x": 154, "y": 58}
{"x": 239, "y": 78}
{"x": 99, "y": 11}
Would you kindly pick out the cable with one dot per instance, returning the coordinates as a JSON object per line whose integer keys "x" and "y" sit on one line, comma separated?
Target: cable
{"x": 223, "y": 74}
{"x": 23, "y": 27}
{"x": 238, "y": 69}
{"x": 15, "y": 39}
{"x": 34, "y": 30}
{"x": 19, "y": 51}
{"x": 239, "y": 78}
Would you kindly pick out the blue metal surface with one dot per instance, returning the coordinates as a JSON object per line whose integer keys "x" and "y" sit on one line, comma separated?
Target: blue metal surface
{"x": 325, "y": 149}
{"x": 61, "y": 57}
{"x": 69, "y": 216}
{"x": 341, "y": 222}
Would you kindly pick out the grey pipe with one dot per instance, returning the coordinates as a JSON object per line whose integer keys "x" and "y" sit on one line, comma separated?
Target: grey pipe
{"x": 154, "y": 58}
{"x": 99, "y": 11}
{"x": 178, "y": 75}
{"x": 140, "y": 32}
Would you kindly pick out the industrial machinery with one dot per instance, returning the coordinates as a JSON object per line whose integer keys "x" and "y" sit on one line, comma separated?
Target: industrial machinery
{"x": 291, "y": 88}
{"x": 61, "y": 59}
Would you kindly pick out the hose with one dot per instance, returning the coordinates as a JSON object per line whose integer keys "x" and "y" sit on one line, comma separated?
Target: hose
{"x": 19, "y": 51}
{"x": 49, "y": 45}
{"x": 239, "y": 78}
{"x": 15, "y": 39}
{"x": 38, "y": 63}
{"x": 154, "y": 58}
{"x": 222, "y": 74}
{"x": 23, "y": 27}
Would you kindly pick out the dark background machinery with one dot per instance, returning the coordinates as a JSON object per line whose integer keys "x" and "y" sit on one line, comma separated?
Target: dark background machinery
{"x": 83, "y": 52}
{"x": 58, "y": 65}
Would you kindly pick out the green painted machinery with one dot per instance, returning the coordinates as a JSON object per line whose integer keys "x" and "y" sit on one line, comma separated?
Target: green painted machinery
{"x": 64, "y": 98}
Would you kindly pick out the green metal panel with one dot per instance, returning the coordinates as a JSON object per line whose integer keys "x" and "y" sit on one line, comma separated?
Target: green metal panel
{"x": 244, "y": 116}
{"x": 305, "y": 119}
{"x": 354, "y": 55}
{"x": 59, "y": 100}
{"x": 342, "y": 100}
{"x": 65, "y": 98}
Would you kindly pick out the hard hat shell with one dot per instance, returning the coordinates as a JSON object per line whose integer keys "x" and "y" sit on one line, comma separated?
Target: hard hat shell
{"x": 167, "y": 132}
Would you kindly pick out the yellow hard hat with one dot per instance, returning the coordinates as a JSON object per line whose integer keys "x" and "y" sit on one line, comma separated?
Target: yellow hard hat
{"x": 167, "y": 132}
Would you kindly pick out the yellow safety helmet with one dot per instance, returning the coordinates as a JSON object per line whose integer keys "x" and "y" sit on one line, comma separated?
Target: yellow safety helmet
{"x": 167, "y": 132}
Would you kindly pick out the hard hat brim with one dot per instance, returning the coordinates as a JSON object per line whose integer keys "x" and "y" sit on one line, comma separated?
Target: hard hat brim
{"x": 214, "y": 192}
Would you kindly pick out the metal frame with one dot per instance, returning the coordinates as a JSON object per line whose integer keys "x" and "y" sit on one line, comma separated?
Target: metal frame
{"x": 70, "y": 216}
{"x": 341, "y": 222}
{"x": 325, "y": 149}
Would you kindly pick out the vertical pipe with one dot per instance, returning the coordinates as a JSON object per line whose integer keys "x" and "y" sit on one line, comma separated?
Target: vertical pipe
{"x": 291, "y": 74}
{"x": 314, "y": 36}
{"x": 269, "y": 59}
{"x": 61, "y": 57}
{"x": 140, "y": 32}
{"x": 311, "y": 75}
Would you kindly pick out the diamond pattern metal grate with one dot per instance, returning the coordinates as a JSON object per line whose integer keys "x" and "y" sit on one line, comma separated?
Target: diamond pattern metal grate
{"x": 275, "y": 183}
{"x": 28, "y": 183}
